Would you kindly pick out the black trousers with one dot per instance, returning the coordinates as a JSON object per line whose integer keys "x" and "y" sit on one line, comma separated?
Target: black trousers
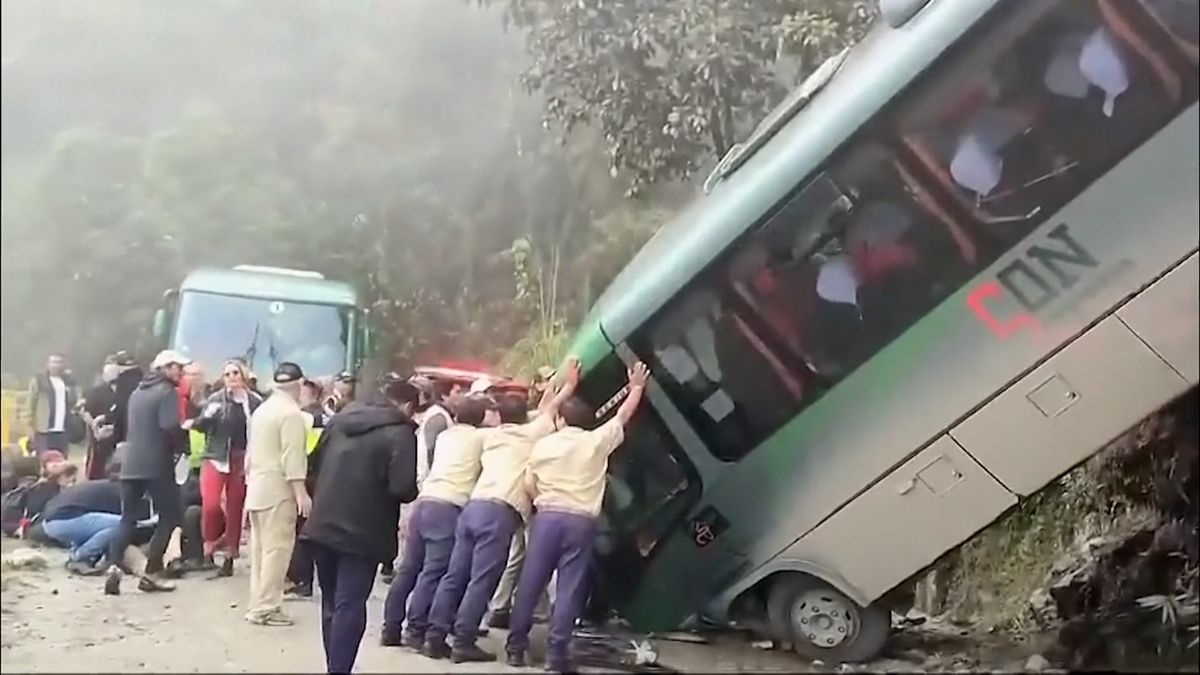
{"x": 191, "y": 542}
{"x": 164, "y": 494}
{"x": 300, "y": 569}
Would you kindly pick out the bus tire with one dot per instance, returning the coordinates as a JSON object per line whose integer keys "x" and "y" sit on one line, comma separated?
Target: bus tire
{"x": 821, "y": 623}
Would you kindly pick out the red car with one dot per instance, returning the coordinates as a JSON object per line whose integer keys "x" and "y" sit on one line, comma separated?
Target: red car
{"x": 467, "y": 377}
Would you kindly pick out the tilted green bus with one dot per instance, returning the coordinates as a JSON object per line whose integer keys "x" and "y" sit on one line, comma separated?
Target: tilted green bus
{"x": 266, "y": 315}
{"x": 955, "y": 263}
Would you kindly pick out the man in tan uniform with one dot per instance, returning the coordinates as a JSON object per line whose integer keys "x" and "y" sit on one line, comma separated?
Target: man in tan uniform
{"x": 276, "y": 465}
{"x": 483, "y": 534}
{"x": 566, "y": 480}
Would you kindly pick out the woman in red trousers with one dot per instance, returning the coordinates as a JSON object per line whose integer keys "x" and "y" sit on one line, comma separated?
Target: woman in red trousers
{"x": 225, "y": 421}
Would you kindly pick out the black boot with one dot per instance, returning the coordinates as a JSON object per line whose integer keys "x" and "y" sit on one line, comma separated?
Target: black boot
{"x": 436, "y": 649}
{"x": 472, "y": 654}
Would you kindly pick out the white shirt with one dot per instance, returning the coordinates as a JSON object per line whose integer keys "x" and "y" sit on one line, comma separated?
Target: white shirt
{"x": 59, "y": 422}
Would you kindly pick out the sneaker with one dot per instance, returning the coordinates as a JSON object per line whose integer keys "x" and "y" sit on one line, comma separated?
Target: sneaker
{"x": 436, "y": 649}
{"x": 412, "y": 642}
{"x": 516, "y": 660}
{"x": 556, "y": 667}
{"x": 152, "y": 584}
{"x": 471, "y": 654}
{"x": 84, "y": 569}
{"x": 112, "y": 585}
{"x": 499, "y": 619}
{"x": 225, "y": 569}
{"x": 272, "y": 619}
{"x": 205, "y": 565}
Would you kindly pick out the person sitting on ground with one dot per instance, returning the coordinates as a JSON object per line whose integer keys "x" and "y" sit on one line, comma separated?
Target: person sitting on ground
{"x": 430, "y": 536}
{"x": 367, "y": 469}
{"x": 566, "y": 479}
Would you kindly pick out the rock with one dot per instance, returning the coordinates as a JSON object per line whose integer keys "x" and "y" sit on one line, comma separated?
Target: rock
{"x": 765, "y": 645}
{"x": 1036, "y": 664}
{"x": 54, "y": 591}
{"x": 25, "y": 559}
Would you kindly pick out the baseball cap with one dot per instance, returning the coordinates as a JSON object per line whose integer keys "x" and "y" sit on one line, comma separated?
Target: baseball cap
{"x": 480, "y": 386}
{"x": 288, "y": 372}
{"x": 169, "y": 357}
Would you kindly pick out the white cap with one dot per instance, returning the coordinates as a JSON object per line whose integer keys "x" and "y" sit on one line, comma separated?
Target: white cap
{"x": 169, "y": 357}
{"x": 480, "y": 386}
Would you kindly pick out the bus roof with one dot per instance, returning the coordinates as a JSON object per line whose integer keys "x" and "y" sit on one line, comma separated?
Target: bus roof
{"x": 875, "y": 71}
{"x": 270, "y": 285}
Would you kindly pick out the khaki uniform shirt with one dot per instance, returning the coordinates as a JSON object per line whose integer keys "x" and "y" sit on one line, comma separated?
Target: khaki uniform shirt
{"x": 275, "y": 452}
{"x": 456, "y": 465}
{"x": 567, "y": 468}
{"x": 504, "y": 460}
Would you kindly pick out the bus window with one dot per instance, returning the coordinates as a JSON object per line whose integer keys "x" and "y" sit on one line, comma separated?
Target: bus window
{"x": 716, "y": 368}
{"x": 1181, "y": 20}
{"x": 883, "y": 257}
{"x": 1010, "y": 126}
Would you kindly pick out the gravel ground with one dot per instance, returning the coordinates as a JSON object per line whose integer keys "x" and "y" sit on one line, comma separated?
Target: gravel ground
{"x": 54, "y": 622}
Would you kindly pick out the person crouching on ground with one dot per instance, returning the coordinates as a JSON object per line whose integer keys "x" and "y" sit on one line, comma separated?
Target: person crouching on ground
{"x": 224, "y": 419}
{"x": 276, "y": 463}
{"x": 430, "y": 536}
{"x": 566, "y": 479}
{"x": 483, "y": 535}
{"x": 85, "y": 517}
{"x": 155, "y": 440}
{"x": 368, "y": 465}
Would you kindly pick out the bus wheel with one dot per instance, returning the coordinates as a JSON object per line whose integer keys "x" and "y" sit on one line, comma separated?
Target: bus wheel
{"x": 822, "y": 623}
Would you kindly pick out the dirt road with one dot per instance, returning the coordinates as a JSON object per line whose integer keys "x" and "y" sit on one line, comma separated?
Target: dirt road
{"x": 53, "y": 622}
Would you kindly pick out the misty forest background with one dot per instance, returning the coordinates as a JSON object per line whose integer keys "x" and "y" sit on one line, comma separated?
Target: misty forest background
{"x": 480, "y": 170}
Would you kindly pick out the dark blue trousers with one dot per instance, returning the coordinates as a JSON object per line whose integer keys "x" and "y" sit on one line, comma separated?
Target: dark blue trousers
{"x": 346, "y": 580}
{"x": 562, "y": 542}
{"x": 425, "y": 560}
{"x": 481, "y": 540}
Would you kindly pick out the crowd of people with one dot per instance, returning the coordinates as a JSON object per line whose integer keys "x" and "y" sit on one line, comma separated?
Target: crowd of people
{"x": 486, "y": 497}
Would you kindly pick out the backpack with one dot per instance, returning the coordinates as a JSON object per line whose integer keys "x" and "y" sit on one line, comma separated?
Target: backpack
{"x": 13, "y": 512}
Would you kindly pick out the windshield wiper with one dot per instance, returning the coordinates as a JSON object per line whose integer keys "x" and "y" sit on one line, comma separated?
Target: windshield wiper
{"x": 776, "y": 119}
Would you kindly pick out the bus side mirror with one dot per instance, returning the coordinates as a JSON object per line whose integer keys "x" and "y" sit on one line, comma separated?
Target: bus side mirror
{"x": 160, "y": 324}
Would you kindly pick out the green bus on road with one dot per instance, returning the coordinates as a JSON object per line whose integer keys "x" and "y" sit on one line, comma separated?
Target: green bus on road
{"x": 956, "y": 262}
{"x": 265, "y": 315}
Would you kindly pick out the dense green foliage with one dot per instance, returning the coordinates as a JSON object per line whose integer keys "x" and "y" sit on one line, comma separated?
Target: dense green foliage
{"x": 389, "y": 144}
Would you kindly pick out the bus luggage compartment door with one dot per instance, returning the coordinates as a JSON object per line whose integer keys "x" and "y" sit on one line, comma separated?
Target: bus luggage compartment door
{"x": 1069, "y": 407}
{"x": 1167, "y": 317}
{"x": 904, "y": 522}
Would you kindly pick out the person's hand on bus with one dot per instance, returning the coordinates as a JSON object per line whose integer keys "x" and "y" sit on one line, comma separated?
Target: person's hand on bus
{"x": 573, "y": 374}
{"x": 638, "y": 374}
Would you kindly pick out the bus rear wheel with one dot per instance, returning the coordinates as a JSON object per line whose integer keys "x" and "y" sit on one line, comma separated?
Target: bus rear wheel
{"x": 823, "y": 624}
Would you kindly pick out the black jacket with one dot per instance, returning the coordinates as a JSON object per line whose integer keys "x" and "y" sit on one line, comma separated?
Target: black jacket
{"x": 93, "y": 496}
{"x": 365, "y": 467}
{"x": 154, "y": 434}
{"x": 215, "y": 421}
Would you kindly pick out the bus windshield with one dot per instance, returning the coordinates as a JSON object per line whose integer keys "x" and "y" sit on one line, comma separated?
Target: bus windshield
{"x": 211, "y": 328}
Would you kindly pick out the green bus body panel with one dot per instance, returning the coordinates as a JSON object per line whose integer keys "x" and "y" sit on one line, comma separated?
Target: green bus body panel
{"x": 270, "y": 286}
{"x": 875, "y": 71}
{"x": 1132, "y": 220}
